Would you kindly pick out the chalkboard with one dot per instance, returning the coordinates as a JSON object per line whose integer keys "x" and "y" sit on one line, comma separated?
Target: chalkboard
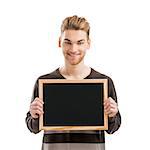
{"x": 73, "y": 104}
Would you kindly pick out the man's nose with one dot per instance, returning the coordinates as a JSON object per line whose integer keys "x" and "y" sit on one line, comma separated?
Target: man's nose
{"x": 73, "y": 47}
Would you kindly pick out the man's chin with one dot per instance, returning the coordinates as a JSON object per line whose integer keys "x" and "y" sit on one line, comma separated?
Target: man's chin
{"x": 74, "y": 62}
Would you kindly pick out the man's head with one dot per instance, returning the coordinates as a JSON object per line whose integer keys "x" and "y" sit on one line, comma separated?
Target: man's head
{"x": 75, "y": 23}
{"x": 74, "y": 39}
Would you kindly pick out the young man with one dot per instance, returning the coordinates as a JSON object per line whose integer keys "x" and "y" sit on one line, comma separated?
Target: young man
{"x": 74, "y": 41}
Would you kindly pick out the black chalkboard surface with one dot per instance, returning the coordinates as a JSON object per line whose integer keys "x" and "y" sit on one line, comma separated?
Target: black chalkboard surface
{"x": 73, "y": 104}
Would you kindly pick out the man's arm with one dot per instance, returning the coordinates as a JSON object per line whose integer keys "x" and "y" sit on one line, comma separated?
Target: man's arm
{"x": 32, "y": 124}
{"x": 36, "y": 109}
{"x": 111, "y": 109}
{"x": 114, "y": 123}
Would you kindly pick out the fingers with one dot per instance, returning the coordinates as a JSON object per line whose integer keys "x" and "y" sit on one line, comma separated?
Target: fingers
{"x": 36, "y": 113}
{"x": 110, "y": 101}
{"x": 36, "y": 104}
{"x": 38, "y": 100}
{"x": 36, "y": 108}
{"x": 110, "y": 107}
{"x": 33, "y": 108}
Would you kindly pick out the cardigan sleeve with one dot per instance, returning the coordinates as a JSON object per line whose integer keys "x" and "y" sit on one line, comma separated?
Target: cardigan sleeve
{"x": 33, "y": 124}
{"x": 113, "y": 122}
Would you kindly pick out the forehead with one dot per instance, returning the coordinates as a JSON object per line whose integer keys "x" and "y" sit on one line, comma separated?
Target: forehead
{"x": 74, "y": 35}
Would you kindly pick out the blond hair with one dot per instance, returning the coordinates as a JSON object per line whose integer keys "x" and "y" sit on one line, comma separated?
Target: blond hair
{"x": 75, "y": 23}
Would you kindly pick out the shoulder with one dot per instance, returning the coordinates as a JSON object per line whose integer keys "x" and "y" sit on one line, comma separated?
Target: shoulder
{"x": 52, "y": 75}
{"x": 111, "y": 87}
{"x": 99, "y": 75}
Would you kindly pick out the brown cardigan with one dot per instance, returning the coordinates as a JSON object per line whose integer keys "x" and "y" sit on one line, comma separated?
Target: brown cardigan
{"x": 75, "y": 136}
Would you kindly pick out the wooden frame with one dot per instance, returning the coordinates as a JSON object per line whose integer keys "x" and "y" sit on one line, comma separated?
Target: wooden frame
{"x": 58, "y": 82}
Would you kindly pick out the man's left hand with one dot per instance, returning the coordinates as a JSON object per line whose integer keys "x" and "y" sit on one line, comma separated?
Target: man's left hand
{"x": 110, "y": 107}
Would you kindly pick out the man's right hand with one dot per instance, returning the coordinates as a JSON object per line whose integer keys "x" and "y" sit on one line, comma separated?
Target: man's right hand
{"x": 36, "y": 108}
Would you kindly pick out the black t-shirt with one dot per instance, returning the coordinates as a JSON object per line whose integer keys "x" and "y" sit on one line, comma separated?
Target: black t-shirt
{"x": 75, "y": 136}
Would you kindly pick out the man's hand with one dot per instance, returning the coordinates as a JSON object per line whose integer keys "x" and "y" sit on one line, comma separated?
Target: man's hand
{"x": 36, "y": 108}
{"x": 110, "y": 107}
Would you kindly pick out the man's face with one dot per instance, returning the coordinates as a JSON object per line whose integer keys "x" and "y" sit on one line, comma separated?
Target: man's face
{"x": 74, "y": 44}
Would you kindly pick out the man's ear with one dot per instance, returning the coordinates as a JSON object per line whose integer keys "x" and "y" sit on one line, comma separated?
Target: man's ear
{"x": 89, "y": 43}
{"x": 59, "y": 42}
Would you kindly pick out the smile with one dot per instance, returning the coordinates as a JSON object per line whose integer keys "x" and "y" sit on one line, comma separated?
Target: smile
{"x": 72, "y": 55}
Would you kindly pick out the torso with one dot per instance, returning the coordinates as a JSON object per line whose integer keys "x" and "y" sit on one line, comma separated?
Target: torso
{"x": 86, "y": 72}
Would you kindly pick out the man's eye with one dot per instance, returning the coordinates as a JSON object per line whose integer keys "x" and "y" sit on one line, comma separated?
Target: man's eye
{"x": 80, "y": 43}
{"x": 68, "y": 43}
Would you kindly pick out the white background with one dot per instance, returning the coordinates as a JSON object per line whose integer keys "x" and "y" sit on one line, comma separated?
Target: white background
{"x": 120, "y": 34}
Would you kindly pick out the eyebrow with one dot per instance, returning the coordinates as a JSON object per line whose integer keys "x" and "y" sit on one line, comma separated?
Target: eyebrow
{"x": 82, "y": 40}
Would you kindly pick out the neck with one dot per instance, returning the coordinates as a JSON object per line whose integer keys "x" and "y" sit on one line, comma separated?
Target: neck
{"x": 75, "y": 71}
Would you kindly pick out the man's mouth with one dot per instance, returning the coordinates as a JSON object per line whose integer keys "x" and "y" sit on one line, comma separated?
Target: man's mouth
{"x": 72, "y": 55}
